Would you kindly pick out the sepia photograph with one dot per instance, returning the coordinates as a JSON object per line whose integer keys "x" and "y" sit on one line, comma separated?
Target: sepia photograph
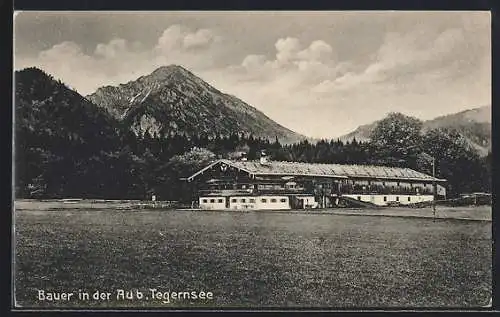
{"x": 252, "y": 160}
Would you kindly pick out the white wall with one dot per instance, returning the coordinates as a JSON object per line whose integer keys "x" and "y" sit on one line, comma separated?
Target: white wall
{"x": 403, "y": 199}
{"x": 205, "y": 203}
{"x": 281, "y": 202}
{"x": 257, "y": 202}
{"x": 242, "y": 202}
{"x": 246, "y": 202}
{"x": 309, "y": 201}
{"x": 441, "y": 190}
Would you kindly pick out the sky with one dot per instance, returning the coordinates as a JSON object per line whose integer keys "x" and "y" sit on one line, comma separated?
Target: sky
{"x": 319, "y": 73}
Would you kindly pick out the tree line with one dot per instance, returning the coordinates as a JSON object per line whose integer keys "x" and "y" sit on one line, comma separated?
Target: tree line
{"x": 138, "y": 166}
{"x": 67, "y": 147}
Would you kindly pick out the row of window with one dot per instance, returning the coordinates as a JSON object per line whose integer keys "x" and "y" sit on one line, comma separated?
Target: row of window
{"x": 220, "y": 201}
{"x": 398, "y": 184}
{"x": 385, "y": 198}
{"x": 263, "y": 200}
{"x": 243, "y": 200}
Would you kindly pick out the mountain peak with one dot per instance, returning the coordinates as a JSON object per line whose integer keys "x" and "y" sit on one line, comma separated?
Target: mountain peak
{"x": 32, "y": 72}
{"x": 164, "y": 72}
{"x": 172, "y": 100}
{"x": 170, "y": 68}
{"x": 31, "y": 69}
{"x": 173, "y": 75}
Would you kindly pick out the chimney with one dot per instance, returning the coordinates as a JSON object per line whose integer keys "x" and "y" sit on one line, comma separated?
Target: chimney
{"x": 263, "y": 157}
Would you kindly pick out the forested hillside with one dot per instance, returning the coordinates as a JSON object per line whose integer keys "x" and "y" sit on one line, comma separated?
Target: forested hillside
{"x": 66, "y": 146}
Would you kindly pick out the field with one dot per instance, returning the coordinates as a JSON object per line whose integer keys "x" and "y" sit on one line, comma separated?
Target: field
{"x": 251, "y": 259}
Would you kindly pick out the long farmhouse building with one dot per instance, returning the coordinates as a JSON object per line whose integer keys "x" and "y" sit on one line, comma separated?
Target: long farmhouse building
{"x": 263, "y": 184}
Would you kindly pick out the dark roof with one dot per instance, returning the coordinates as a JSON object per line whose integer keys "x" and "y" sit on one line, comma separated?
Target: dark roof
{"x": 323, "y": 170}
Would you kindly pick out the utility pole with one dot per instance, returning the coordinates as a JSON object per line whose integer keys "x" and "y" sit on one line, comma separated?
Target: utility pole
{"x": 434, "y": 186}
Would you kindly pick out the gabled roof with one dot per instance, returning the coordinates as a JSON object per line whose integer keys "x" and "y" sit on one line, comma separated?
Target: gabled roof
{"x": 322, "y": 170}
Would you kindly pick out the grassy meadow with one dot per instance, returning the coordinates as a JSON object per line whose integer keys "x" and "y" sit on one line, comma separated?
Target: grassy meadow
{"x": 251, "y": 259}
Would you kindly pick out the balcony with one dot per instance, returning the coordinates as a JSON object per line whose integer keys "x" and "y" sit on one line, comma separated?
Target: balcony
{"x": 281, "y": 191}
{"x": 261, "y": 191}
{"x": 386, "y": 191}
{"x": 225, "y": 192}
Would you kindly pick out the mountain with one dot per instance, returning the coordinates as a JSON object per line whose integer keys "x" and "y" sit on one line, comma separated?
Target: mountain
{"x": 59, "y": 137}
{"x": 362, "y": 133}
{"x": 67, "y": 146}
{"x": 172, "y": 100}
{"x": 473, "y": 124}
{"x": 46, "y": 107}
{"x": 479, "y": 115}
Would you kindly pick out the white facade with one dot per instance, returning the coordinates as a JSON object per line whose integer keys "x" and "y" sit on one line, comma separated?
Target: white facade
{"x": 308, "y": 202}
{"x": 216, "y": 203}
{"x": 382, "y": 200}
{"x": 283, "y": 202}
{"x": 246, "y": 203}
{"x": 260, "y": 202}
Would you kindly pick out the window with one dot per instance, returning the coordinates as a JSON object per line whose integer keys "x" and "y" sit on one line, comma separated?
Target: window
{"x": 212, "y": 200}
{"x": 385, "y": 198}
{"x": 243, "y": 186}
{"x": 397, "y": 198}
{"x": 252, "y": 201}
{"x": 204, "y": 201}
{"x": 359, "y": 197}
{"x": 409, "y": 198}
{"x": 220, "y": 201}
{"x": 233, "y": 200}
{"x": 243, "y": 200}
{"x": 273, "y": 200}
{"x": 283, "y": 200}
{"x": 263, "y": 200}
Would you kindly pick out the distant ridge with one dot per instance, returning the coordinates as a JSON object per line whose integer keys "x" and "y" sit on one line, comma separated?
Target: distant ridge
{"x": 474, "y": 124}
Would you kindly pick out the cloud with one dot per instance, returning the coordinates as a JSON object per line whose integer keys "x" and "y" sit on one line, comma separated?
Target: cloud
{"x": 292, "y": 60}
{"x": 414, "y": 52}
{"x": 304, "y": 84}
{"x": 307, "y": 89}
{"x": 254, "y": 62}
{"x": 318, "y": 50}
{"x": 64, "y": 50}
{"x": 177, "y": 37}
{"x": 287, "y": 49}
{"x": 172, "y": 38}
{"x": 200, "y": 38}
{"x": 119, "y": 61}
{"x": 111, "y": 49}
{"x": 402, "y": 58}
{"x": 417, "y": 48}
